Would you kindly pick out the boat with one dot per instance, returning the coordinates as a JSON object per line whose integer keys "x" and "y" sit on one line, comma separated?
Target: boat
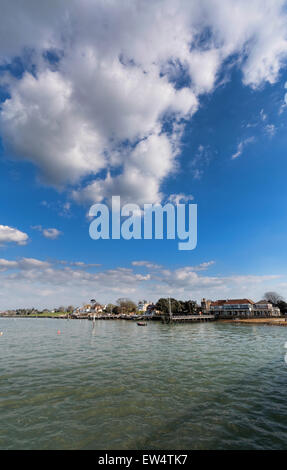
{"x": 141, "y": 323}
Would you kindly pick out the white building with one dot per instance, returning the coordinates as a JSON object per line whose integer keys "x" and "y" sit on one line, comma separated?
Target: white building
{"x": 143, "y": 306}
{"x": 265, "y": 309}
{"x": 231, "y": 308}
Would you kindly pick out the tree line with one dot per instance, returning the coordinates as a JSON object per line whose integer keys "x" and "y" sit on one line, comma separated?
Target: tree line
{"x": 164, "y": 305}
{"x": 127, "y": 306}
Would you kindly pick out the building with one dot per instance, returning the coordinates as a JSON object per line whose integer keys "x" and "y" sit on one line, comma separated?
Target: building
{"x": 146, "y": 308}
{"x": 96, "y": 308}
{"x": 88, "y": 310}
{"x": 151, "y": 310}
{"x": 205, "y": 305}
{"x": 143, "y": 306}
{"x": 232, "y": 308}
{"x": 263, "y": 308}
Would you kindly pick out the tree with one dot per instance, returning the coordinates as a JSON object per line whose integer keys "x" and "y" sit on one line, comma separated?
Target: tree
{"x": 126, "y": 305}
{"x": 111, "y": 308}
{"x": 70, "y": 309}
{"x": 283, "y": 306}
{"x": 189, "y": 307}
{"x": 116, "y": 310}
{"x": 273, "y": 297}
{"x": 60, "y": 309}
{"x": 163, "y": 305}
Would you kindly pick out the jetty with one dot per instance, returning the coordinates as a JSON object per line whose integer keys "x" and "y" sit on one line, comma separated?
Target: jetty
{"x": 187, "y": 318}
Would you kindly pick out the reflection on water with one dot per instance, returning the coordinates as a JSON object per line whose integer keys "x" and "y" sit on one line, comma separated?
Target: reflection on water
{"x": 119, "y": 386}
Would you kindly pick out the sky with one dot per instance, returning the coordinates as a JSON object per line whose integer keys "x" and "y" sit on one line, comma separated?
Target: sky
{"x": 151, "y": 101}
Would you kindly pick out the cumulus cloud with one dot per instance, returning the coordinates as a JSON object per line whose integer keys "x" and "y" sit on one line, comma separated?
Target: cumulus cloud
{"x": 180, "y": 198}
{"x": 143, "y": 169}
{"x": 5, "y": 264}
{"x": 101, "y": 81}
{"x": 51, "y": 233}
{"x": 185, "y": 282}
{"x": 28, "y": 264}
{"x": 42, "y": 124}
{"x": 12, "y": 235}
{"x": 24, "y": 264}
{"x": 49, "y": 283}
{"x": 146, "y": 264}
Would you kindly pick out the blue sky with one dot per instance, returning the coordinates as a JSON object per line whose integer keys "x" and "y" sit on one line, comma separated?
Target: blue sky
{"x": 146, "y": 107}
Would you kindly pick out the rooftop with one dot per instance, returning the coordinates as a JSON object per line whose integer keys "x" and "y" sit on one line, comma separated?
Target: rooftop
{"x": 232, "y": 302}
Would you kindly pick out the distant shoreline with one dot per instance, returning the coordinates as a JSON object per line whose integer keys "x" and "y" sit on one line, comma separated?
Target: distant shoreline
{"x": 258, "y": 321}
{"x": 243, "y": 321}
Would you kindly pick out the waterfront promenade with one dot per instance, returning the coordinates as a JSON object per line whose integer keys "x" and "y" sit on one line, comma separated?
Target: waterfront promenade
{"x": 164, "y": 318}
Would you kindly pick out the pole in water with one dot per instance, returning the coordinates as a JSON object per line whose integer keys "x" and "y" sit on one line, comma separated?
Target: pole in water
{"x": 170, "y": 312}
{"x": 94, "y": 321}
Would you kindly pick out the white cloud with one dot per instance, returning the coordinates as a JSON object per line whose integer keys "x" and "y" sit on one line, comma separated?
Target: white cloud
{"x": 50, "y": 283}
{"x": 12, "y": 235}
{"x": 144, "y": 168}
{"x": 200, "y": 160}
{"x": 28, "y": 264}
{"x": 270, "y": 129}
{"x": 180, "y": 198}
{"x": 146, "y": 264}
{"x": 51, "y": 233}
{"x": 101, "y": 106}
{"x": 241, "y": 147}
{"x": 5, "y": 264}
{"x": 284, "y": 104}
{"x": 42, "y": 124}
{"x": 81, "y": 264}
{"x": 24, "y": 264}
{"x": 203, "y": 68}
{"x": 203, "y": 266}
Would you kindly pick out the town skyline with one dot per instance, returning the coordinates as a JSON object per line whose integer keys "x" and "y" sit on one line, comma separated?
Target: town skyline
{"x": 166, "y": 104}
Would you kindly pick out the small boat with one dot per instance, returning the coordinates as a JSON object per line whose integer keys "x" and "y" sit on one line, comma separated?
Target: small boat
{"x": 141, "y": 323}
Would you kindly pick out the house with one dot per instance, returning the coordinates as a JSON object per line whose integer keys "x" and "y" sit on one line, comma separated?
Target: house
{"x": 263, "y": 308}
{"x": 232, "y": 308}
{"x": 146, "y": 308}
{"x": 97, "y": 308}
{"x": 151, "y": 310}
{"x": 143, "y": 306}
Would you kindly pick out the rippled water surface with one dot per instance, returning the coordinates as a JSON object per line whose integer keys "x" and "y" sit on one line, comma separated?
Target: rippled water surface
{"x": 120, "y": 386}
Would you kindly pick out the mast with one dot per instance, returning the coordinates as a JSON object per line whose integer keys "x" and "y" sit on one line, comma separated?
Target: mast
{"x": 170, "y": 312}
